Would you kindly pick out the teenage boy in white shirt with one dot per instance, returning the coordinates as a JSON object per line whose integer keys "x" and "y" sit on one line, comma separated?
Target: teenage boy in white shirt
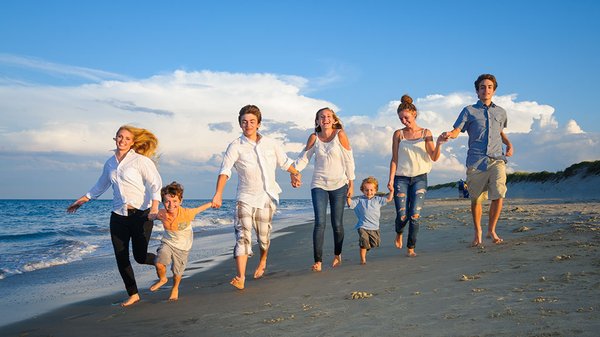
{"x": 255, "y": 158}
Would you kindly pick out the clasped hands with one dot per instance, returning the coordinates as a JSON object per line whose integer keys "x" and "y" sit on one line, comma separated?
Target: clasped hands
{"x": 296, "y": 179}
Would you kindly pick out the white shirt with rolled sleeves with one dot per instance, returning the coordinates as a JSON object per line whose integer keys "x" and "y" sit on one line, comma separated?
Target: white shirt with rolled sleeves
{"x": 255, "y": 164}
{"x": 135, "y": 182}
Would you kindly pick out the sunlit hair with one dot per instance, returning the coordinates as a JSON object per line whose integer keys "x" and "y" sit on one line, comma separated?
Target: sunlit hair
{"x": 406, "y": 103}
{"x": 369, "y": 180}
{"x": 250, "y": 109}
{"x": 337, "y": 123}
{"x": 174, "y": 189}
{"x": 486, "y": 77}
{"x": 144, "y": 141}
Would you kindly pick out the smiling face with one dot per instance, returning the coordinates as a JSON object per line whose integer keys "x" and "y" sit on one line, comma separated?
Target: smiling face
{"x": 171, "y": 203}
{"x": 485, "y": 91}
{"x": 249, "y": 124}
{"x": 325, "y": 119}
{"x": 369, "y": 190}
{"x": 407, "y": 117}
{"x": 124, "y": 140}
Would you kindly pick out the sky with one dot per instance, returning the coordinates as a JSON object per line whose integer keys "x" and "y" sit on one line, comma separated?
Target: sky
{"x": 72, "y": 72}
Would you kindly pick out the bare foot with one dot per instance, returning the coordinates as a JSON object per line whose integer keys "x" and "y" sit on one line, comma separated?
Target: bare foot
{"x": 411, "y": 252}
{"x": 337, "y": 260}
{"x": 133, "y": 299}
{"x": 238, "y": 282}
{"x": 363, "y": 262}
{"x": 174, "y": 295}
{"x": 476, "y": 243}
{"x": 260, "y": 271}
{"x": 316, "y": 266}
{"x": 398, "y": 240}
{"x": 158, "y": 284}
{"x": 495, "y": 238}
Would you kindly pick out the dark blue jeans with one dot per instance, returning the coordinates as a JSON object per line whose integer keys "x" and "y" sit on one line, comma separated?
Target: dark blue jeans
{"x": 337, "y": 200}
{"x": 409, "y": 197}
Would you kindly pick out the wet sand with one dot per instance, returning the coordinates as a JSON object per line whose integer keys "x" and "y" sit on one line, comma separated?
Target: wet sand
{"x": 542, "y": 281}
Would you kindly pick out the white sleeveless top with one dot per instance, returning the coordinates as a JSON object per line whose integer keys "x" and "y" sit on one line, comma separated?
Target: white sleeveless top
{"x": 334, "y": 165}
{"x": 413, "y": 159}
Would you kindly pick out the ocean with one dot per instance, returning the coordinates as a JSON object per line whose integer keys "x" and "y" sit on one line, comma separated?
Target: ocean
{"x": 50, "y": 258}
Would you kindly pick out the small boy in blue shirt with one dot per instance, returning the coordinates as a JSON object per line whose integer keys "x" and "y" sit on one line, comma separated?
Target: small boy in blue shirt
{"x": 367, "y": 209}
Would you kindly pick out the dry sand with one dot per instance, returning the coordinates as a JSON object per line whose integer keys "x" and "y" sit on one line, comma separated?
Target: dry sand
{"x": 542, "y": 281}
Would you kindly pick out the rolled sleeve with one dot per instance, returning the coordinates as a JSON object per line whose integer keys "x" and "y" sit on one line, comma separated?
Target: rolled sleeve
{"x": 152, "y": 178}
{"x": 283, "y": 161}
{"x": 229, "y": 158}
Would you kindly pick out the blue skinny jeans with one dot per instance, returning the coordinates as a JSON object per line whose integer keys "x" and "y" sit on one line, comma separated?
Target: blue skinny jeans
{"x": 337, "y": 200}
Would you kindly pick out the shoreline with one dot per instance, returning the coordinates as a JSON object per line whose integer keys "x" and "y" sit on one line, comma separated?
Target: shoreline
{"x": 543, "y": 280}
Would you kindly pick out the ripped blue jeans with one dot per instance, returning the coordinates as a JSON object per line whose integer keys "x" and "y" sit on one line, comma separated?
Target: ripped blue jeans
{"x": 409, "y": 197}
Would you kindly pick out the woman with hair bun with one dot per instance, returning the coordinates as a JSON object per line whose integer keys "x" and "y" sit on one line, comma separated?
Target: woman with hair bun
{"x": 413, "y": 151}
{"x": 136, "y": 195}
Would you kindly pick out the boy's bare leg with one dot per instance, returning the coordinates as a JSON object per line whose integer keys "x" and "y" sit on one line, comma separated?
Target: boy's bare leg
{"x": 175, "y": 291}
{"x": 161, "y": 272}
{"x": 363, "y": 256}
{"x": 262, "y": 264}
{"x": 240, "y": 279}
{"x": 476, "y": 210}
{"x": 398, "y": 240}
{"x": 133, "y": 299}
{"x": 495, "y": 209}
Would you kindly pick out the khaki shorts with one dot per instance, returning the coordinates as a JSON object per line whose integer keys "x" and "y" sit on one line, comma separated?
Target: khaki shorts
{"x": 368, "y": 238}
{"x": 176, "y": 257}
{"x": 489, "y": 184}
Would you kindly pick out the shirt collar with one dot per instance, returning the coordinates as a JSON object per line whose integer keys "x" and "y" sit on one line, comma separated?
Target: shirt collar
{"x": 248, "y": 140}
{"x": 480, "y": 104}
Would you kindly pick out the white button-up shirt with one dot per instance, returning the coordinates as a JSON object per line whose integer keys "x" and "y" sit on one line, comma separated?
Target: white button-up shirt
{"x": 135, "y": 182}
{"x": 255, "y": 164}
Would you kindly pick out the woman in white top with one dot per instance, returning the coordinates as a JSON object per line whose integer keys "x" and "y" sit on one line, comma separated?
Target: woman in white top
{"x": 413, "y": 151}
{"x": 136, "y": 195}
{"x": 332, "y": 180}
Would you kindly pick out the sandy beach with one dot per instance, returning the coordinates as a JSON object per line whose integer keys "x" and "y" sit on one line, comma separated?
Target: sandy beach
{"x": 542, "y": 281}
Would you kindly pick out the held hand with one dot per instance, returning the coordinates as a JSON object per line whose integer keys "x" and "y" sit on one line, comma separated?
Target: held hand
{"x": 217, "y": 201}
{"x": 443, "y": 138}
{"x": 296, "y": 180}
{"x": 390, "y": 185}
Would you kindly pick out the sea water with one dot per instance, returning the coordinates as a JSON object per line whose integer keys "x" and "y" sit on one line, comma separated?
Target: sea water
{"x": 50, "y": 258}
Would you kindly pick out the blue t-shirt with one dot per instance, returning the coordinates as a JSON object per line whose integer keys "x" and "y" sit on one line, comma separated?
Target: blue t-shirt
{"x": 367, "y": 211}
{"x": 483, "y": 125}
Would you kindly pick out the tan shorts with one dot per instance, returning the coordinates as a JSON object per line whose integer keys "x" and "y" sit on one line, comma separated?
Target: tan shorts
{"x": 489, "y": 184}
{"x": 176, "y": 257}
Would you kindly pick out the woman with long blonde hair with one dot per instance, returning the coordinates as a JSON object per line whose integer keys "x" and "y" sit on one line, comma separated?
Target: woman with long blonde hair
{"x": 136, "y": 187}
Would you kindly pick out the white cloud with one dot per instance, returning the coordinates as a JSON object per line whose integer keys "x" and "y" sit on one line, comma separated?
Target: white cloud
{"x": 194, "y": 115}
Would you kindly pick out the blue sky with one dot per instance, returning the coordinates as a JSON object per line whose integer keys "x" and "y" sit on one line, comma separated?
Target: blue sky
{"x": 71, "y": 72}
